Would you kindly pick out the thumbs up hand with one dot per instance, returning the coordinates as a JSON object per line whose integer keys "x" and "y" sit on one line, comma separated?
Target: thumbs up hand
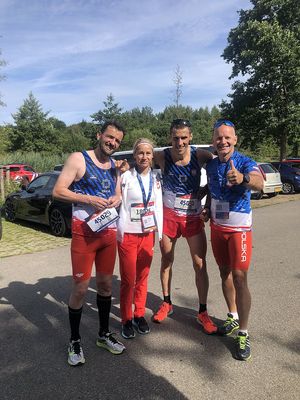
{"x": 234, "y": 177}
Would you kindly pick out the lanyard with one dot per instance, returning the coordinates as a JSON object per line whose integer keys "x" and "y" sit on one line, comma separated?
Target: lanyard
{"x": 145, "y": 200}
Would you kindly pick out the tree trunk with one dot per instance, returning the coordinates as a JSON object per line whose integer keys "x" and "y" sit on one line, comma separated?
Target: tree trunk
{"x": 283, "y": 144}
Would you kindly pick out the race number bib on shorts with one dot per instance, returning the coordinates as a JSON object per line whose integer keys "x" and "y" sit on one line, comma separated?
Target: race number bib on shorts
{"x": 186, "y": 204}
{"x": 137, "y": 209}
{"x": 102, "y": 220}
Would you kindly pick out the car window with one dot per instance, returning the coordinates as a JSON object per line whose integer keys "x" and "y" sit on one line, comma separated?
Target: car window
{"x": 295, "y": 165}
{"x": 268, "y": 168}
{"x": 27, "y": 168}
{"x": 52, "y": 181}
{"x": 14, "y": 169}
{"x": 39, "y": 182}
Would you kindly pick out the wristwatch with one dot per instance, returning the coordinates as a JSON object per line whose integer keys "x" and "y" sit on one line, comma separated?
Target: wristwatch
{"x": 246, "y": 178}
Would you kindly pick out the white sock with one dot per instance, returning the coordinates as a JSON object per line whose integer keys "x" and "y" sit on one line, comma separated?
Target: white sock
{"x": 234, "y": 315}
{"x": 243, "y": 331}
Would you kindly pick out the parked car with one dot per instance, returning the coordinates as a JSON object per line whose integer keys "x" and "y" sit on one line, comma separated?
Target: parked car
{"x": 58, "y": 167}
{"x": 20, "y": 172}
{"x": 290, "y": 175}
{"x": 35, "y": 203}
{"x": 272, "y": 181}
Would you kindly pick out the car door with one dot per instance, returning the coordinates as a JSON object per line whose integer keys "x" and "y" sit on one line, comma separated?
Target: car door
{"x": 34, "y": 200}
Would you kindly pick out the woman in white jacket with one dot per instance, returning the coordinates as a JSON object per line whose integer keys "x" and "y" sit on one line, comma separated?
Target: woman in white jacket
{"x": 140, "y": 216}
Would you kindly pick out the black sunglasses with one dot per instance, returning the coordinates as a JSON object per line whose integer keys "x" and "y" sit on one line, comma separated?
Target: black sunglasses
{"x": 181, "y": 122}
{"x": 221, "y": 122}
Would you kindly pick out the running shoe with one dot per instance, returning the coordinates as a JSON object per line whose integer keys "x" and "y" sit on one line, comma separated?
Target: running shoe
{"x": 75, "y": 353}
{"x": 163, "y": 312}
{"x": 110, "y": 343}
{"x": 208, "y": 326}
{"x": 127, "y": 330}
{"x": 141, "y": 325}
{"x": 229, "y": 326}
{"x": 242, "y": 350}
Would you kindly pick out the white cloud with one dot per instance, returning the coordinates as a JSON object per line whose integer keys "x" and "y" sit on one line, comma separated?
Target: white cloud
{"x": 71, "y": 54}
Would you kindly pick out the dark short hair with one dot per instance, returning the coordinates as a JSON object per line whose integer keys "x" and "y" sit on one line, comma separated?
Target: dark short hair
{"x": 180, "y": 123}
{"x": 113, "y": 123}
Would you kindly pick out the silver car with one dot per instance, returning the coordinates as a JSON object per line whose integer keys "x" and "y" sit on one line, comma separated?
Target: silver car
{"x": 272, "y": 181}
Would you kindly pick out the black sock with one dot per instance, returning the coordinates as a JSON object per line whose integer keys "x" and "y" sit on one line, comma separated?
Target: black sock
{"x": 74, "y": 318}
{"x": 167, "y": 299}
{"x": 202, "y": 308}
{"x": 104, "y": 305}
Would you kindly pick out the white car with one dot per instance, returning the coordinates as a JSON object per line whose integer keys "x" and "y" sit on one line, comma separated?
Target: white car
{"x": 272, "y": 181}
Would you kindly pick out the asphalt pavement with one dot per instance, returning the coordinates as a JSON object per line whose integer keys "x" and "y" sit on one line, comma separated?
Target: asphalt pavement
{"x": 176, "y": 360}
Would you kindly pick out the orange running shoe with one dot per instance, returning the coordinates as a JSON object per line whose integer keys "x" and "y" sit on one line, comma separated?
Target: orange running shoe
{"x": 208, "y": 326}
{"x": 163, "y": 312}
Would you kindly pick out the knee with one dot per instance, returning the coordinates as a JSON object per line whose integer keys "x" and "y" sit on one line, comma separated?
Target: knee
{"x": 79, "y": 291}
{"x": 225, "y": 274}
{"x": 104, "y": 289}
{"x": 200, "y": 265}
{"x": 167, "y": 260}
{"x": 239, "y": 281}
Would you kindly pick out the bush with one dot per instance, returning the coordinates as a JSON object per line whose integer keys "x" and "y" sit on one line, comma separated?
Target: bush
{"x": 41, "y": 162}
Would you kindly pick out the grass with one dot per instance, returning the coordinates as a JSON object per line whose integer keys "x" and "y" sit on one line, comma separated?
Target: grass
{"x": 22, "y": 238}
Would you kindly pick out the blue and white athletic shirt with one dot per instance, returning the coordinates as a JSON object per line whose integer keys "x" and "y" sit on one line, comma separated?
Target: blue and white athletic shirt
{"x": 181, "y": 184}
{"x": 237, "y": 197}
{"x": 95, "y": 182}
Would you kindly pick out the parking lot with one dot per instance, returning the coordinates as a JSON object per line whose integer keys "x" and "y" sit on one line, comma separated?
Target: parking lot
{"x": 177, "y": 360}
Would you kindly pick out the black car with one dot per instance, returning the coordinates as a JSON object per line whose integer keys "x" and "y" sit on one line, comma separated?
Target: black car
{"x": 289, "y": 174}
{"x": 35, "y": 203}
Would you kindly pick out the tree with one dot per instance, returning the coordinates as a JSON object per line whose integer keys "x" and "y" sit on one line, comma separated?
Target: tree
{"x": 32, "y": 130}
{"x": 111, "y": 111}
{"x": 4, "y": 138}
{"x": 265, "y": 49}
{"x": 2, "y": 64}
{"x": 178, "y": 77}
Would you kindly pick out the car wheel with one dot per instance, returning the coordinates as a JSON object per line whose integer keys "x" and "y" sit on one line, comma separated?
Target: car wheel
{"x": 288, "y": 188}
{"x": 57, "y": 222}
{"x": 9, "y": 211}
{"x": 270, "y": 195}
{"x": 257, "y": 195}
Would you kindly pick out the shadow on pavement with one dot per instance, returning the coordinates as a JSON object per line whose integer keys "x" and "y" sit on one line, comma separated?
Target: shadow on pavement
{"x": 34, "y": 341}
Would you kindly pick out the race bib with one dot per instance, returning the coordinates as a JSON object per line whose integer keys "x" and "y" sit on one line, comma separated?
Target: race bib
{"x": 148, "y": 221}
{"x": 222, "y": 210}
{"x": 137, "y": 209}
{"x": 186, "y": 204}
{"x": 103, "y": 219}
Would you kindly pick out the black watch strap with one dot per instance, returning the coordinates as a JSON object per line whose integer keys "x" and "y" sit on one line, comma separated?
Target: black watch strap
{"x": 246, "y": 178}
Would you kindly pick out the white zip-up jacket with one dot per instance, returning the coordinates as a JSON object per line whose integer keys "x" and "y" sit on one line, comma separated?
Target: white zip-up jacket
{"x": 132, "y": 193}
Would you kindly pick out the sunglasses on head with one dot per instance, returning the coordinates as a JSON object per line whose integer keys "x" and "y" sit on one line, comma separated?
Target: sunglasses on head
{"x": 221, "y": 122}
{"x": 181, "y": 122}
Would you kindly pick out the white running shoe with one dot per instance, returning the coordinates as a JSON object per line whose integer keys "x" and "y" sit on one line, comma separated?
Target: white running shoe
{"x": 110, "y": 343}
{"x": 75, "y": 353}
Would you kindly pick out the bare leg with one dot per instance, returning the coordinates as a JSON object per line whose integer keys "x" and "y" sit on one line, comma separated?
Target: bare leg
{"x": 78, "y": 292}
{"x": 228, "y": 289}
{"x": 198, "y": 247}
{"x": 167, "y": 247}
{"x": 243, "y": 297}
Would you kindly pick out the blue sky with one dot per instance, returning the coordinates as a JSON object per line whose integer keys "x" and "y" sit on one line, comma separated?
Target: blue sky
{"x": 72, "y": 53}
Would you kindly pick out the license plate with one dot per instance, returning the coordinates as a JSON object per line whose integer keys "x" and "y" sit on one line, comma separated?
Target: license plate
{"x": 278, "y": 189}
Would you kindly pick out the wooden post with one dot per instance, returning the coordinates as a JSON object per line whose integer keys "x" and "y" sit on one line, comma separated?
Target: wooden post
{"x": 2, "y": 184}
